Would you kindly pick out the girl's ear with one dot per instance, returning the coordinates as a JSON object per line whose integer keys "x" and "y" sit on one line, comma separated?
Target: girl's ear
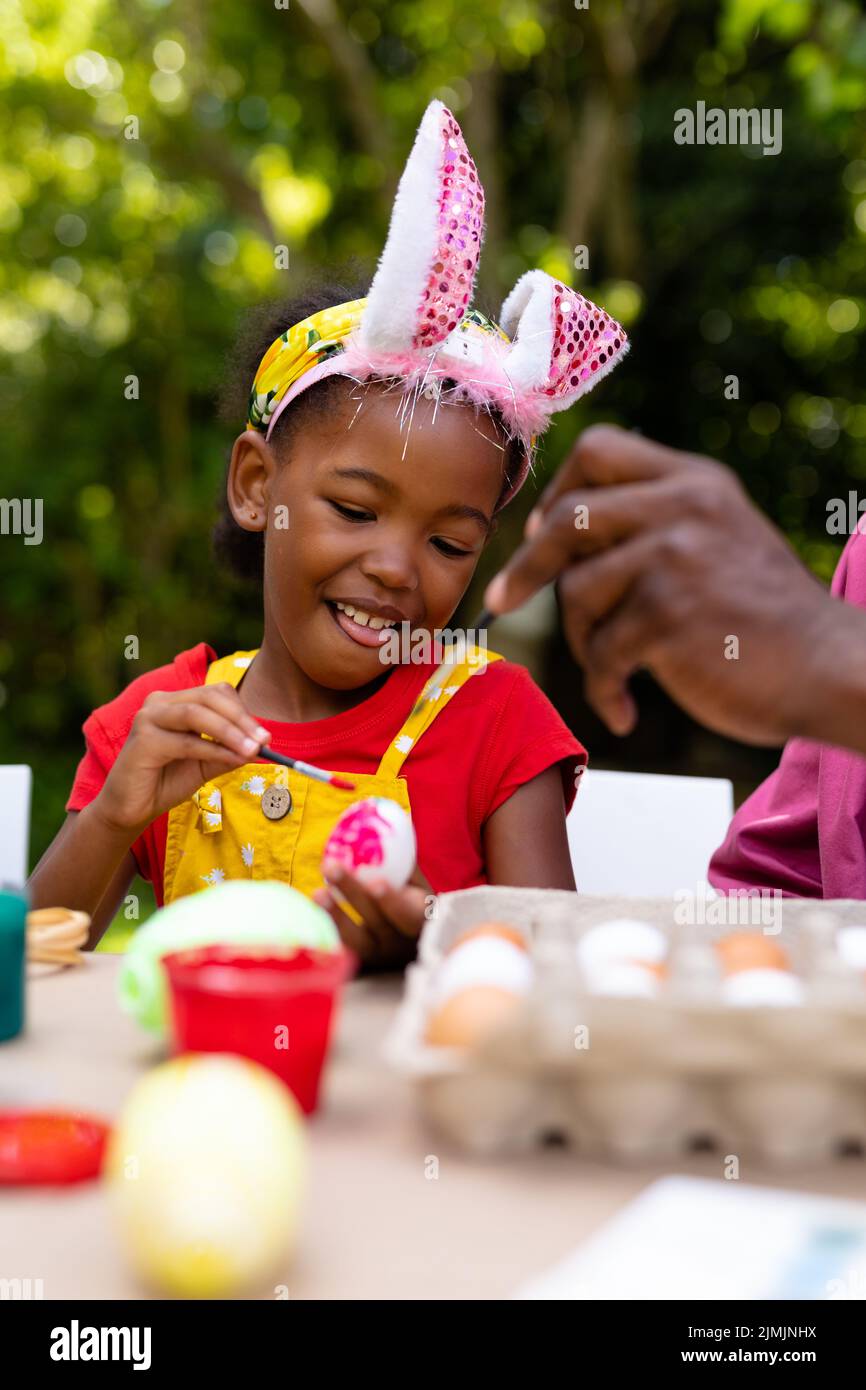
{"x": 426, "y": 273}
{"x": 251, "y": 470}
{"x": 562, "y": 343}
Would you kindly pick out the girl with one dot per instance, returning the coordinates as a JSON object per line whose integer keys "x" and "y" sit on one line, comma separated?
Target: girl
{"x": 383, "y": 436}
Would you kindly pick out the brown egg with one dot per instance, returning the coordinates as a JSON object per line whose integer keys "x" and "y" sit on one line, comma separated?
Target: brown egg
{"x": 746, "y": 950}
{"x": 471, "y": 1015}
{"x": 500, "y": 929}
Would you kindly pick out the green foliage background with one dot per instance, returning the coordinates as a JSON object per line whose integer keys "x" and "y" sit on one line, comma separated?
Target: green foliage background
{"x": 260, "y": 125}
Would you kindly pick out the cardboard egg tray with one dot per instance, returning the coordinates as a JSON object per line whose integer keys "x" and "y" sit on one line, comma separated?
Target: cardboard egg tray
{"x": 645, "y": 1079}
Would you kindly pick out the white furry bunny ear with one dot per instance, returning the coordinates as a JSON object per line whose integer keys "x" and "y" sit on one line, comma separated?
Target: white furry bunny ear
{"x": 426, "y": 274}
{"x": 562, "y": 343}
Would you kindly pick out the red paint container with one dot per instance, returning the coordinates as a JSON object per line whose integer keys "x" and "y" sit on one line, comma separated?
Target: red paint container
{"x": 278, "y": 1010}
{"x": 50, "y": 1146}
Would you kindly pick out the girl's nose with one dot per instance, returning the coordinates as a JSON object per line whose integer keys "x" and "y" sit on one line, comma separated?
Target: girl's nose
{"x": 392, "y": 566}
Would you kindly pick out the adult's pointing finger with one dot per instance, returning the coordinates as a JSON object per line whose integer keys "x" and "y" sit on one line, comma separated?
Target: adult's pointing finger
{"x": 591, "y": 590}
{"x": 577, "y": 525}
{"x": 606, "y": 456}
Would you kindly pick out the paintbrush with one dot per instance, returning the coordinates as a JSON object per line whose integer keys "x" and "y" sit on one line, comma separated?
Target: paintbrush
{"x": 318, "y": 774}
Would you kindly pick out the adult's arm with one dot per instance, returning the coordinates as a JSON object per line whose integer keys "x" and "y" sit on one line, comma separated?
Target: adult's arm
{"x": 663, "y": 562}
{"x": 801, "y": 831}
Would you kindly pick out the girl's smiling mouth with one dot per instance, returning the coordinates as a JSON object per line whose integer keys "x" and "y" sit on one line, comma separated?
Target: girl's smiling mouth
{"x": 368, "y": 629}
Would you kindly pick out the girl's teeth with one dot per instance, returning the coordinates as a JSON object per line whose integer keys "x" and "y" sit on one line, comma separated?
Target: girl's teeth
{"x": 364, "y": 619}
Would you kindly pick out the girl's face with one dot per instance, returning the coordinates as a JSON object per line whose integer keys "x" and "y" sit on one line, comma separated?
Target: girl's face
{"x": 366, "y": 516}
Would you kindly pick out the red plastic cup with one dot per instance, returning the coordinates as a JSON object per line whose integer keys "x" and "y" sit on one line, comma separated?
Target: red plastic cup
{"x": 278, "y": 1010}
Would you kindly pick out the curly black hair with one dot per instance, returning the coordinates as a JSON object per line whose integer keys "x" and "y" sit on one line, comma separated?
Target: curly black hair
{"x": 243, "y": 552}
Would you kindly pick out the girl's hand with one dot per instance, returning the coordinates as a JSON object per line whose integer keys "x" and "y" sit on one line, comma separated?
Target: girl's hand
{"x": 393, "y": 917}
{"x": 165, "y": 759}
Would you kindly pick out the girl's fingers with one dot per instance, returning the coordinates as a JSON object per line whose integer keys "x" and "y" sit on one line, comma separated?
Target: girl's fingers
{"x": 224, "y": 701}
{"x": 356, "y": 894}
{"x": 210, "y": 770}
{"x": 166, "y": 747}
{"x": 404, "y": 908}
{"x": 389, "y": 941}
{"x": 419, "y": 879}
{"x": 354, "y": 935}
{"x": 197, "y": 717}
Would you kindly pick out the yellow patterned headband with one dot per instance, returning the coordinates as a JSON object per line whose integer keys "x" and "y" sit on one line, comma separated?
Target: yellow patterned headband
{"x": 298, "y": 351}
{"x": 327, "y": 344}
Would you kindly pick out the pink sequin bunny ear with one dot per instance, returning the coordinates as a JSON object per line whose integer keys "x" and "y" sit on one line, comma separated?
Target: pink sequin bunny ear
{"x": 426, "y": 274}
{"x": 562, "y": 343}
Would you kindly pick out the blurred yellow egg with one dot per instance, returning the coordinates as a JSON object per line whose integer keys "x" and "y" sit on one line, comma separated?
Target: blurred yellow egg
{"x": 205, "y": 1172}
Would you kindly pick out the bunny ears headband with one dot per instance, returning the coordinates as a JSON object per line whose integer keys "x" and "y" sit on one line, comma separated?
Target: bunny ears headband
{"x": 416, "y": 325}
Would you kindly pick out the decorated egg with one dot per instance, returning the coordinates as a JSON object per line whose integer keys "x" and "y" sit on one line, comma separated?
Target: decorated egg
{"x": 481, "y": 981}
{"x": 205, "y": 1173}
{"x": 374, "y": 839}
{"x": 238, "y": 913}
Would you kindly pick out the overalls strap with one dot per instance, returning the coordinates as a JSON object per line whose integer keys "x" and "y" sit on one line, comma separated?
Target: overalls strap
{"x": 229, "y": 668}
{"x": 462, "y": 661}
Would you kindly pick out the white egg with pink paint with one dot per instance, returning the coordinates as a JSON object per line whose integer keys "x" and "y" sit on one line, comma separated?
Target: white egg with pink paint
{"x": 374, "y": 839}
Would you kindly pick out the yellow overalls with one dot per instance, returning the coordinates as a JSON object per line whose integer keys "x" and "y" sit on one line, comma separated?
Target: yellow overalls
{"x": 264, "y": 821}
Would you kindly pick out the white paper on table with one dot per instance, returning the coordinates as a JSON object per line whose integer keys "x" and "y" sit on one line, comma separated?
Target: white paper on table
{"x": 695, "y": 1238}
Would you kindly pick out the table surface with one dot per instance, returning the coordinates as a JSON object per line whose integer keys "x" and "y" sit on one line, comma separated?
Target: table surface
{"x": 374, "y": 1225}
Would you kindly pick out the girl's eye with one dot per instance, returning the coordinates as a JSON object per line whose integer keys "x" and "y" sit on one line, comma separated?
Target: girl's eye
{"x": 446, "y": 548}
{"x": 352, "y": 513}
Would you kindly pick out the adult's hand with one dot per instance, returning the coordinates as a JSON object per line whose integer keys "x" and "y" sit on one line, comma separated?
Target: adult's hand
{"x": 663, "y": 562}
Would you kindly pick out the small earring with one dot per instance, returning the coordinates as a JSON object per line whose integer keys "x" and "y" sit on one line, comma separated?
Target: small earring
{"x": 253, "y": 515}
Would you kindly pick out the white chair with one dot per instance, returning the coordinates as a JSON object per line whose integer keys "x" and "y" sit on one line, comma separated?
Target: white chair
{"x": 15, "y": 784}
{"x": 640, "y": 833}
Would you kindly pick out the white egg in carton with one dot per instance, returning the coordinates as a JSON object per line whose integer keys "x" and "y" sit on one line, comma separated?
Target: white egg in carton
{"x": 691, "y": 1063}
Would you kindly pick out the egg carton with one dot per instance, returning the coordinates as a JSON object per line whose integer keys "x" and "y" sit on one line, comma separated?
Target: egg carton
{"x": 644, "y": 1079}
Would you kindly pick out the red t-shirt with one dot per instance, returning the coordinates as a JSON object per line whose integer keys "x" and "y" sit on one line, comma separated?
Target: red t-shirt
{"x": 497, "y": 733}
